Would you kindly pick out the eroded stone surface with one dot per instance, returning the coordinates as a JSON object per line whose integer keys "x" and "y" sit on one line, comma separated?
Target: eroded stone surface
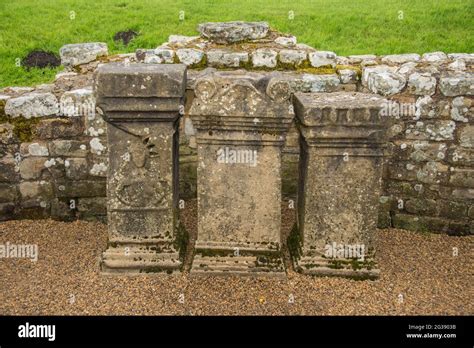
{"x": 455, "y": 84}
{"x": 384, "y": 82}
{"x": 231, "y": 32}
{"x": 141, "y": 103}
{"x": 422, "y": 84}
{"x": 401, "y": 58}
{"x": 32, "y": 105}
{"x": 322, "y": 58}
{"x": 264, "y": 58}
{"x": 225, "y": 58}
{"x": 77, "y": 54}
{"x": 241, "y": 120}
{"x": 340, "y": 175}
{"x": 78, "y": 102}
{"x": 293, "y": 57}
{"x": 189, "y": 56}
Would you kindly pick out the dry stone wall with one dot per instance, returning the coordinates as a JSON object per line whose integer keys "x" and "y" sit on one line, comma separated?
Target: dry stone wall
{"x": 53, "y": 141}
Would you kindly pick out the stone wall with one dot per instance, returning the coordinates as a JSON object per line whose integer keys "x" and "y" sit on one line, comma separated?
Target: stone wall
{"x": 53, "y": 142}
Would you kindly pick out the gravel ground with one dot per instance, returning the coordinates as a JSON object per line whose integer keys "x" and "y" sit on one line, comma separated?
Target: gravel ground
{"x": 419, "y": 275}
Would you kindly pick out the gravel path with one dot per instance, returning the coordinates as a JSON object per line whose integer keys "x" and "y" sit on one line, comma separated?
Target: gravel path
{"x": 419, "y": 275}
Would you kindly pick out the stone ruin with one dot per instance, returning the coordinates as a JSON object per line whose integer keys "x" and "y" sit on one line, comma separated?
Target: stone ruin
{"x": 241, "y": 120}
{"x": 243, "y": 117}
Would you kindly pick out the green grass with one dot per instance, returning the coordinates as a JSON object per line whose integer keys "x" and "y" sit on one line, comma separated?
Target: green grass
{"x": 343, "y": 26}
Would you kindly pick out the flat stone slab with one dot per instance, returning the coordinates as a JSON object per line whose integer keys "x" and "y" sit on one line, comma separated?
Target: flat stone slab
{"x": 82, "y": 53}
{"x": 341, "y": 100}
{"x": 230, "y": 32}
{"x": 244, "y": 265}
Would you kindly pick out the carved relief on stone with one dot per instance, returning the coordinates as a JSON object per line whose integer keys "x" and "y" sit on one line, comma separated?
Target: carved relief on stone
{"x": 137, "y": 183}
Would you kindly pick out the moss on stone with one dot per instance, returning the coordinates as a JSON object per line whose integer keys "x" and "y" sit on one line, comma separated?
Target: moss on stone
{"x": 2, "y": 109}
{"x": 294, "y": 243}
{"x": 181, "y": 239}
{"x": 22, "y": 127}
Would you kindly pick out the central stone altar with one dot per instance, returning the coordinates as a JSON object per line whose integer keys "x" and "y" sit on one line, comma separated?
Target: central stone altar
{"x": 241, "y": 120}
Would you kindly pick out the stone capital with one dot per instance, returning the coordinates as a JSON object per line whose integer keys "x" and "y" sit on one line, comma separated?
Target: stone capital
{"x": 242, "y": 106}
{"x": 352, "y": 121}
{"x": 140, "y": 92}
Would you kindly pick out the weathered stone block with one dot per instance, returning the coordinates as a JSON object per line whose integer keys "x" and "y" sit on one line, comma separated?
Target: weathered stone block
{"x": 34, "y": 149}
{"x": 80, "y": 188}
{"x": 438, "y": 130}
{"x": 462, "y": 178}
{"x": 401, "y": 58}
{"x": 59, "y": 128}
{"x": 430, "y": 224}
{"x": 8, "y": 169}
{"x": 142, "y": 105}
{"x": 8, "y": 193}
{"x": 32, "y": 167}
{"x": 68, "y": 148}
{"x": 241, "y": 120}
{"x": 458, "y": 65}
{"x": 455, "y": 84}
{"x": 93, "y": 206}
{"x": 460, "y": 156}
{"x": 434, "y": 57}
{"x": 422, "y": 84}
{"x": 314, "y": 83}
{"x": 189, "y": 56}
{"x": 7, "y": 134}
{"x": 76, "y": 168}
{"x": 61, "y": 209}
{"x": 385, "y": 83}
{"x": 322, "y": 58}
{"x": 347, "y": 76}
{"x": 421, "y": 206}
{"x": 341, "y": 160}
{"x": 32, "y": 105}
{"x": 181, "y": 40}
{"x": 223, "y": 58}
{"x": 452, "y": 210}
{"x": 286, "y": 41}
{"x": 466, "y": 136}
{"x": 99, "y": 168}
{"x": 462, "y": 109}
{"x": 292, "y": 57}
{"x": 231, "y": 32}
{"x": 77, "y": 54}
{"x": 357, "y": 59}
{"x": 78, "y": 102}
{"x": 264, "y": 58}
{"x": 159, "y": 55}
{"x": 40, "y": 191}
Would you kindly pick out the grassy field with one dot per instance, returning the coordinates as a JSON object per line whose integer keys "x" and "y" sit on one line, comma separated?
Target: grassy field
{"x": 343, "y": 26}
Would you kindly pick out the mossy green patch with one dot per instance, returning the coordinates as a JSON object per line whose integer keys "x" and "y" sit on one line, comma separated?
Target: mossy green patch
{"x": 23, "y": 128}
{"x": 357, "y": 69}
{"x": 181, "y": 239}
{"x": 294, "y": 243}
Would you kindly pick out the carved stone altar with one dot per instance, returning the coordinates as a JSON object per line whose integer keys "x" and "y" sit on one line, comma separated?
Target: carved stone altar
{"x": 241, "y": 120}
{"x": 341, "y": 159}
{"x": 141, "y": 104}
